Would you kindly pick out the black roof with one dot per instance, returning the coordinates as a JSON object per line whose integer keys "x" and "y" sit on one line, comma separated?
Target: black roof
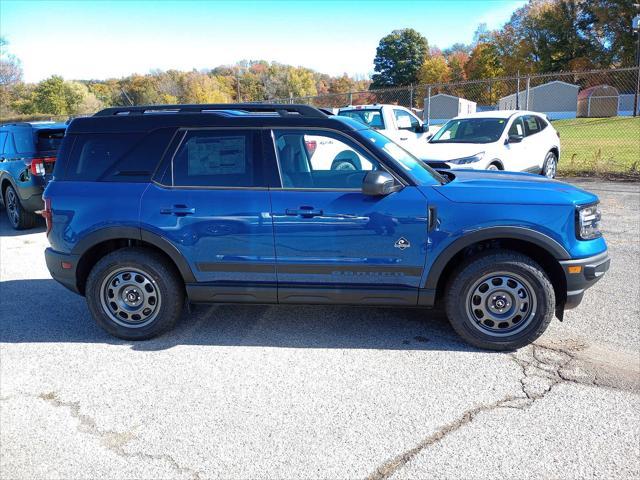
{"x": 150, "y": 117}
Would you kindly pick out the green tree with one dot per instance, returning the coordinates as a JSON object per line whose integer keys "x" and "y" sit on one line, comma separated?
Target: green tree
{"x": 613, "y": 20}
{"x": 551, "y": 36}
{"x": 399, "y": 57}
{"x": 202, "y": 88}
{"x": 483, "y": 63}
{"x": 457, "y": 61}
{"x": 434, "y": 70}
{"x": 50, "y": 96}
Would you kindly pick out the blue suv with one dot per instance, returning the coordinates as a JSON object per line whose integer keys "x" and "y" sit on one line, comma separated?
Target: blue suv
{"x": 27, "y": 156}
{"x": 153, "y": 206}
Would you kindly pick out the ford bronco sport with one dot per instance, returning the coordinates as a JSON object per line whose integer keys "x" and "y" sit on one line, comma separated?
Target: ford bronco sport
{"x": 150, "y": 207}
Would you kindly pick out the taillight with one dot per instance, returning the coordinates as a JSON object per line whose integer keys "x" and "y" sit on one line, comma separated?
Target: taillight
{"x": 38, "y": 165}
{"x": 47, "y": 214}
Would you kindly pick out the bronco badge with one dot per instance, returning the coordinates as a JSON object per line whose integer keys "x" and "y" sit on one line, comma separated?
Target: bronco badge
{"x": 402, "y": 243}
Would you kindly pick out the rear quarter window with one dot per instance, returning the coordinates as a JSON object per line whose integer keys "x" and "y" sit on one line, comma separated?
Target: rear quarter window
{"x": 115, "y": 157}
{"x": 23, "y": 140}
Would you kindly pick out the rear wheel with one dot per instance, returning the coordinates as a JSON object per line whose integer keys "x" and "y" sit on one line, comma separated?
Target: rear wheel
{"x": 500, "y": 301}
{"x": 19, "y": 218}
{"x": 134, "y": 294}
{"x": 493, "y": 166}
{"x": 550, "y": 166}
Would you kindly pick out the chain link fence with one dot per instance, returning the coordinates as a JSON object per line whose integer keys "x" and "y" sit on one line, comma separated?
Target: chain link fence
{"x": 597, "y": 113}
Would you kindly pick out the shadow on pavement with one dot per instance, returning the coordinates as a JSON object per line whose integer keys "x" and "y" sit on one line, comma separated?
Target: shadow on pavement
{"x": 6, "y": 230}
{"x": 44, "y": 311}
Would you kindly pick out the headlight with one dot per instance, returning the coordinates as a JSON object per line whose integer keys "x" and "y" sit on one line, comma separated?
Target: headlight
{"x": 588, "y": 222}
{"x": 473, "y": 158}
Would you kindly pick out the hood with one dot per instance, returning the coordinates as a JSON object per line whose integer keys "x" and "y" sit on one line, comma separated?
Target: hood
{"x": 485, "y": 186}
{"x": 450, "y": 151}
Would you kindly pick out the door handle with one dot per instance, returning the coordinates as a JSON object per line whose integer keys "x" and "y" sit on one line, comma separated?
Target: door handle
{"x": 304, "y": 212}
{"x": 178, "y": 210}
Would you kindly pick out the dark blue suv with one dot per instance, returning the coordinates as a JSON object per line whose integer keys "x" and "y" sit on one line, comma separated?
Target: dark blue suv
{"x": 243, "y": 203}
{"x": 27, "y": 156}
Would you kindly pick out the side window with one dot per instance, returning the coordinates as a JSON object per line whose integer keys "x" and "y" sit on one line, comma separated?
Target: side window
{"x": 3, "y": 138}
{"x": 404, "y": 120}
{"x": 95, "y": 156}
{"x": 23, "y": 140}
{"x": 531, "y": 125}
{"x": 517, "y": 127}
{"x": 9, "y": 147}
{"x": 542, "y": 123}
{"x": 320, "y": 159}
{"x": 218, "y": 158}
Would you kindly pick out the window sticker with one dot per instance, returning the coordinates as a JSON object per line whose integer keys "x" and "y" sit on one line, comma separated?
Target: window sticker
{"x": 216, "y": 156}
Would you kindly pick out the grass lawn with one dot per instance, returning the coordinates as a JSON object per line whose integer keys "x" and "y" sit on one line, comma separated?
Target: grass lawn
{"x": 599, "y": 145}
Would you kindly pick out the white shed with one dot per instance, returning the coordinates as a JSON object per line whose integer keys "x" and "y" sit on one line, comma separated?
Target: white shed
{"x": 557, "y": 99}
{"x": 442, "y": 107}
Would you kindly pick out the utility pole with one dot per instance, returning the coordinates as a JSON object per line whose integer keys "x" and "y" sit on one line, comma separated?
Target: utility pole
{"x": 518, "y": 92}
{"x": 635, "y": 25}
{"x": 238, "y": 84}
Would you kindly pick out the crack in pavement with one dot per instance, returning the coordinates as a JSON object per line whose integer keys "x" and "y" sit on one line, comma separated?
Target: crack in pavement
{"x": 112, "y": 440}
{"x": 543, "y": 368}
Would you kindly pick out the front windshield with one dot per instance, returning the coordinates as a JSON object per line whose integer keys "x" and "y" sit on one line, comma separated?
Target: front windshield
{"x": 470, "y": 130}
{"x": 369, "y": 117}
{"x": 419, "y": 170}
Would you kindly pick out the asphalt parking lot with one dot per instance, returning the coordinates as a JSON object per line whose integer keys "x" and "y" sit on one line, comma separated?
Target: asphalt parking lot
{"x": 319, "y": 392}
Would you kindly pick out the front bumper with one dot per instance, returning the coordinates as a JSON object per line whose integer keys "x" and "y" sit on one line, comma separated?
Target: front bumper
{"x": 582, "y": 274}
{"x": 62, "y": 267}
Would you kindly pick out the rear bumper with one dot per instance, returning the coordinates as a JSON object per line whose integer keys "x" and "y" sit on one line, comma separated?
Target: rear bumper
{"x": 62, "y": 267}
{"x": 582, "y": 274}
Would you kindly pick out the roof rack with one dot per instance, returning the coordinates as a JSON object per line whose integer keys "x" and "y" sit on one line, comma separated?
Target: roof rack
{"x": 280, "y": 109}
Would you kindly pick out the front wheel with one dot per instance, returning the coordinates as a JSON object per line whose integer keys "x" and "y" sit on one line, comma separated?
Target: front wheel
{"x": 550, "y": 165}
{"x": 134, "y": 294}
{"x": 493, "y": 167}
{"x": 500, "y": 301}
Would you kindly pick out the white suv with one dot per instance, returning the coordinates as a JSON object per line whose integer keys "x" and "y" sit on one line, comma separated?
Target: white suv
{"x": 519, "y": 141}
{"x": 395, "y": 122}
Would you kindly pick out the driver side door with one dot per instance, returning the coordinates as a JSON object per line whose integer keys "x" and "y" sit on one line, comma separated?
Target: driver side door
{"x": 333, "y": 244}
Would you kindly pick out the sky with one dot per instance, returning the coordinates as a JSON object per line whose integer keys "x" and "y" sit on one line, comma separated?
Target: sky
{"x": 84, "y": 39}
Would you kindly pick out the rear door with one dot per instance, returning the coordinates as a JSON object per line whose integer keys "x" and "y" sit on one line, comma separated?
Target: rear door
{"x": 335, "y": 245}
{"x": 211, "y": 202}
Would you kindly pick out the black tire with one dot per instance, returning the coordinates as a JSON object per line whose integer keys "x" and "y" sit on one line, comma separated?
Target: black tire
{"x": 517, "y": 282}
{"x": 152, "y": 278}
{"x": 19, "y": 218}
{"x": 494, "y": 167}
{"x": 550, "y": 165}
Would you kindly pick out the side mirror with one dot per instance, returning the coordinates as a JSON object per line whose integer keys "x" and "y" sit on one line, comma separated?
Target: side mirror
{"x": 422, "y": 128}
{"x": 514, "y": 138}
{"x": 378, "y": 183}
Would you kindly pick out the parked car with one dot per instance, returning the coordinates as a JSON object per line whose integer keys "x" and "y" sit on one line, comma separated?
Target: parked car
{"x": 149, "y": 205}
{"x": 27, "y": 155}
{"x": 398, "y": 123}
{"x": 513, "y": 140}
